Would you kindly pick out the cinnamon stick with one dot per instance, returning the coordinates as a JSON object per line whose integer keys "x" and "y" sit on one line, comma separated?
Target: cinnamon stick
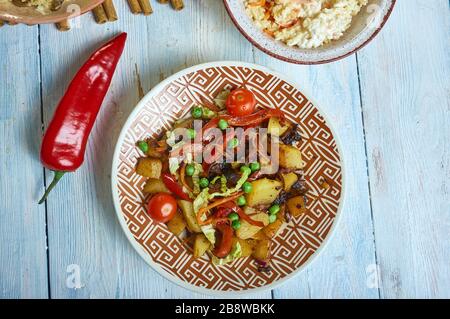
{"x": 99, "y": 14}
{"x": 146, "y": 7}
{"x": 110, "y": 10}
{"x": 134, "y": 6}
{"x": 63, "y": 25}
{"x": 163, "y": 1}
{"x": 177, "y": 4}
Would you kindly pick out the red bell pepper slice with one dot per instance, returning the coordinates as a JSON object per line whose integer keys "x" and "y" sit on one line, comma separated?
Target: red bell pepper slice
{"x": 252, "y": 119}
{"x": 225, "y": 242}
{"x": 174, "y": 187}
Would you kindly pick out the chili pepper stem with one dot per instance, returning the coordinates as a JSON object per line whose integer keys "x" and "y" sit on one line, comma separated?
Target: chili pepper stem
{"x": 58, "y": 175}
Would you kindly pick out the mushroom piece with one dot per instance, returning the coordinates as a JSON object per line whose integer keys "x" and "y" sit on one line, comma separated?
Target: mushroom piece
{"x": 56, "y": 5}
{"x": 21, "y": 3}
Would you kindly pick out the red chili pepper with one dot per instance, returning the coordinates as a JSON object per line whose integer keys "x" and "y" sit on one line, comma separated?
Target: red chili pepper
{"x": 65, "y": 140}
{"x": 225, "y": 242}
{"x": 173, "y": 186}
{"x": 252, "y": 119}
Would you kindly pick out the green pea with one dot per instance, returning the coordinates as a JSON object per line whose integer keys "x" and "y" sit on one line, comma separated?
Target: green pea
{"x": 233, "y": 217}
{"x": 272, "y": 218}
{"x": 204, "y": 182}
{"x": 191, "y": 133}
{"x": 234, "y": 142}
{"x": 274, "y": 209}
{"x": 255, "y": 166}
{"x": 223, "y": 124}
{"x": 236, "y": 224}
{"x": 197, "y": 112}
{"x": 190, "y": 169}
{"x": 246, "y": 170}
{"x": 143, "y": 146}
{"x": 247, "y": 187}
{"x": 241, "y": 201}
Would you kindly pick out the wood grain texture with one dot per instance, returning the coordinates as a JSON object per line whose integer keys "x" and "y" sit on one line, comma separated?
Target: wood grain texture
{"x": 402, "y": 106}
{"x": 405, "y": 94}
{"x": 83, "y": 228}
{"x": 23, "y": 257}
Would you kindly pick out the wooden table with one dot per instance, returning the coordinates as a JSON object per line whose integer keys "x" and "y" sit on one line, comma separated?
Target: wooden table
{"x": 389, "y": 104}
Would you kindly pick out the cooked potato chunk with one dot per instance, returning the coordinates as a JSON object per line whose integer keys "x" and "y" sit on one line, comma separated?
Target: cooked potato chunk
{"x": 264, "y": 191}
{"x": 248, "y": 230}
{"x": 262, "y": 250}
{"x": 290, "y": 157}
{"x": 259, "y": 235}
{"x": 289, "y": 179}
{"x": 189, "y": 216}
{"x": 177, "y": 224}
{"x": 296, "y": 206}
{"x": 272, "y": 229}
{"x": 149, "y": 167}
{"x": 275, "y": 128}
{"x": 154, "y": 153}
{"x": 201, "y": 245}
{"x": 246, "y": 246}
{"x": 153, "y": 186}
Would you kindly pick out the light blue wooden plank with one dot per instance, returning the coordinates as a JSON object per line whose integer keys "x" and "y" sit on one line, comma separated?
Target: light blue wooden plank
{"x": 23, "y": 257}
{"x": 83, "y": 229}
{"x": 405, "y": 83}
{"x": 340, "y": 270}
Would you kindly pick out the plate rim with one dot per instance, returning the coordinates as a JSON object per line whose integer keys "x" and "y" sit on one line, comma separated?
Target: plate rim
{"x": 318, "y": 62}
{"x": 146, "y": 256}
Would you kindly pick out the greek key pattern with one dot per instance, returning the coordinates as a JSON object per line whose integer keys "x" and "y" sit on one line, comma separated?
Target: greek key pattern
{"x": 296, "y": 242}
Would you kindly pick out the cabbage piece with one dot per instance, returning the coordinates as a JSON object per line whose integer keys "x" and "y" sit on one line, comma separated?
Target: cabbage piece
{"x": 209, "y": 232}
{"x": 235, "y": 189}
{"x": 223, "y": 184}
{"x": 174, "y": 165}
{"x": 215, "y": 179}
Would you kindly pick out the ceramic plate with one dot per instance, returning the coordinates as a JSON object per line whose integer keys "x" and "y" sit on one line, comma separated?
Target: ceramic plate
{"x": 29, "y": 15}
{"x": 365, "y": 26}
{"x": 295, "y": 246}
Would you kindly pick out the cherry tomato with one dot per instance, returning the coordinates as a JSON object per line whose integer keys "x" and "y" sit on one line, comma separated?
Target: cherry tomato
{"x": 225, "y": 243}
{"x": 240, "y": 102}
{"x": 162, "y": 207}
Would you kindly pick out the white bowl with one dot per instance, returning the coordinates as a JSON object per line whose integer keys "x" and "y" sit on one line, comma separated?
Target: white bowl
{"x": 365, "y": 26}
